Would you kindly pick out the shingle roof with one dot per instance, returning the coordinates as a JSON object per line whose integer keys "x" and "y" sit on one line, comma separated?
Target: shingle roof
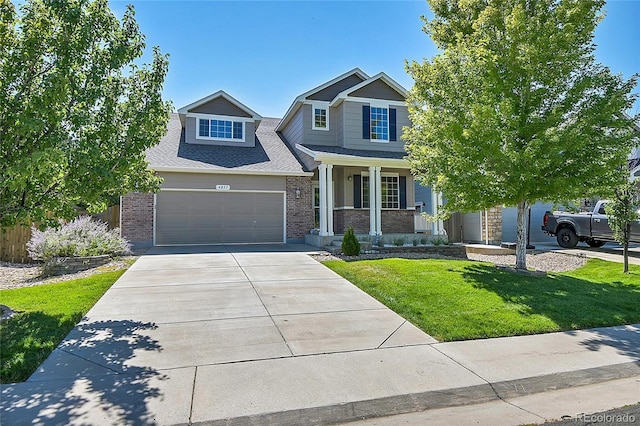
{"x": 270, "y": 155}
{"x": 356, "y": 152}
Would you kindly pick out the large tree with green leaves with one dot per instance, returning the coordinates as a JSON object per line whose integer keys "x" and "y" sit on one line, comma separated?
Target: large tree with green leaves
{"x": 77, "y": 110}
{"x": 514, "y": 109}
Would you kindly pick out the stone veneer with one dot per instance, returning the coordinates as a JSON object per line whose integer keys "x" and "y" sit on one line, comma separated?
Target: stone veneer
{"x": 136, "y": 219}
{"x": 494, "y": 216}
{"x": 299, "y": 210}
{"x": 393, "y": 221}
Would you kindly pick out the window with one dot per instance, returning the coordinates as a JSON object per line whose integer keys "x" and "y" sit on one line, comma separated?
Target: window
{"x": 390, "y": 192}
{"x": 220, "y": 129}
{"x": 379, "y": 124}
{"x": 320, "y": 116}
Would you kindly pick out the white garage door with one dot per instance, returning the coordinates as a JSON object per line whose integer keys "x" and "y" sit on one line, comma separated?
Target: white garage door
{"x": 199, "y": 217}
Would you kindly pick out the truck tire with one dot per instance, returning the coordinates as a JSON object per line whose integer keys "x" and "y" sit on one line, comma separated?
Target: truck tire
{"x": 567, "y": 238}
{"x": 596, "y": 243}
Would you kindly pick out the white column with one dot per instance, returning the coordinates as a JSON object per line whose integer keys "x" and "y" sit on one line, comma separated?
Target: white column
{"x": 373, "y": 228}
{"x": 434, "y": 211}
{"x": 438, "y": 208}
{"x": 322, "y": 171}
{"x": 378, "y": 202}
{"x": 330, "y": 199}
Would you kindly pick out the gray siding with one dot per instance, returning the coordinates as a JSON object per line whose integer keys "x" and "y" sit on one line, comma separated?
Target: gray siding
{"x": 471, "y": 227}
{"x": 509, "y": 218}
{"x": 423, "y": 193}
{"x": 318, "y": 137}
{"x": 340, "y": 124}
{"x": 249, "y": 135}
{"x": 328, "y": 93}
{"x": 353, "y": 129}
{"x": 221, "y": 106}
{"x": 236, "y": 182}
{"x": 378, "y": 89}
{"x": 293, "y": 131}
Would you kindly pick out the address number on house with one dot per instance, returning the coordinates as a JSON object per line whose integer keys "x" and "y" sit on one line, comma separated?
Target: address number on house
{"x": 223, "y": 187}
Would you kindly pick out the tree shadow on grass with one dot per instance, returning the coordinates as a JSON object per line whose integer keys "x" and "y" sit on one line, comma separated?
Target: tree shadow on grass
{"x": 86, "y": 380}
{"x": 571, "y": 303}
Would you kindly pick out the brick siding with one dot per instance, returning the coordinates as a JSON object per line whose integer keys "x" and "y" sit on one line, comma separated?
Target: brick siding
{"x": 393, "y": 221}
{"x": 136, "y": 218}
{"x": 299, "y": 210}
{"x": 494, "y": 216}
{"x": 397, "y": 221}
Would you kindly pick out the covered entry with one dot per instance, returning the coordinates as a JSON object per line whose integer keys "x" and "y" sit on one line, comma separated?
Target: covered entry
{"x": 219, "y": 217}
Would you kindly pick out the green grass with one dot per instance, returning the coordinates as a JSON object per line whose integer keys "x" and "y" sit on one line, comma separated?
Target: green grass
{"x": 460, "y": 300}
{"x": 47, "y": 313}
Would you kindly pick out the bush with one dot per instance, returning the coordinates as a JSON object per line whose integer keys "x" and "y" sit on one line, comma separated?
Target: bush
{"x": 438, "y": 241}
{"x": 80, "y": 237}
{"x": 350, "y": 244}
{"x": 398, "y": 242}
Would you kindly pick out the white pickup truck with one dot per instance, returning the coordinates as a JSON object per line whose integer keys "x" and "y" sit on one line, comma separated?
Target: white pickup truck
{"x": 590, "y": 227}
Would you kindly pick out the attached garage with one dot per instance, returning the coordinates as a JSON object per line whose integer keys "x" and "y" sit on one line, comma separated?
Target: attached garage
{"x": 219, "y": 217}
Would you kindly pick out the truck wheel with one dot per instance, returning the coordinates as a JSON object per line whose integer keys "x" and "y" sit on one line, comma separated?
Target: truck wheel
{"x": 595, "y": 243}
{"x": 567, "y": 238}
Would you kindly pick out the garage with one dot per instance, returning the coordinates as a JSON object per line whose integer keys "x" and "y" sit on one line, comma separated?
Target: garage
{"x": 185, "y": 217}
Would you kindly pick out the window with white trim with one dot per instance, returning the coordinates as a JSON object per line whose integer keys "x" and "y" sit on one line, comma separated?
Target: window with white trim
{"x": 379, "y": 124}
{"x": 320, "y": 116}
{"x": 217, "y": 129}
{"x": 390, "y": 189}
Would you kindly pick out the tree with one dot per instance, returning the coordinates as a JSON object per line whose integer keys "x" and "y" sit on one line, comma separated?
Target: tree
{"x": 622, "y": 211}
{"x": 514, "y": 109}
{"x": 76, "y": 111}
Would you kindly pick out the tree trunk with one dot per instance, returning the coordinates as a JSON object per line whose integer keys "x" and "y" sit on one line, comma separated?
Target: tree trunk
{"x": 521, "y": 241}
{"x": 625, "y": 251}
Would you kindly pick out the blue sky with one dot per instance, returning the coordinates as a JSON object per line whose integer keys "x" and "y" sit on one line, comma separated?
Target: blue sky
{"x": 265, "y": 53}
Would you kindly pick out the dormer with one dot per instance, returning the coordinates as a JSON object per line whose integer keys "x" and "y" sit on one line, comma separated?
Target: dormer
{"x": 219, "y": 119}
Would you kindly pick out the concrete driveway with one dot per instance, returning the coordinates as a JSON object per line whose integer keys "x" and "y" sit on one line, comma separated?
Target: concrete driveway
{"x": 265, "y": 334}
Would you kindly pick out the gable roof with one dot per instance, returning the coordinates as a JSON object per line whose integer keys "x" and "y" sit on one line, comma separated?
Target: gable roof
{"x": 221, "y": 94}
{"x": 270, "y": 156}
{"x": 380, "y": 76}
{"x": 300, "y": 99}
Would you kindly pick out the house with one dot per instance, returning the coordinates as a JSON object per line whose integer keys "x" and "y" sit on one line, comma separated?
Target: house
{"x": 336, "y": 159}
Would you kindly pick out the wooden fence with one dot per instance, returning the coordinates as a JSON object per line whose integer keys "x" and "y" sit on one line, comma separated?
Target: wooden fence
{"x": 13, "y": 241}
{"x": 13, "y": 244}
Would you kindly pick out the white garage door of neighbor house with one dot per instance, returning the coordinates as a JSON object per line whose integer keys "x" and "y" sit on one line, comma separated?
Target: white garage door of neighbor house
{"x": 199, "y": 217}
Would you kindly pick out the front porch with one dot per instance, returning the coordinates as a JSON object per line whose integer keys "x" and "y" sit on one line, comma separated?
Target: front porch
{"x": 374, "y": 200}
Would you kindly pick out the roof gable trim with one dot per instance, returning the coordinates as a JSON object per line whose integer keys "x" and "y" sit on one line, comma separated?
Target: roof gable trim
{"x": 380, "y": 76}
{"x": 221, "y": 94}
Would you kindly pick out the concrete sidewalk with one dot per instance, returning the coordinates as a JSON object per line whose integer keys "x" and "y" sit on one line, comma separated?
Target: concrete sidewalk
{"x": 240, "y": 335}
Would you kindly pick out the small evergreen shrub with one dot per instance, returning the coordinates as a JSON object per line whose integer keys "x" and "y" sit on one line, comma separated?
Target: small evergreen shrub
{"x": 80, "y": 237}
{"x": 350, "y": 244}
{"x": 415, "y": 242}
{"x": 438, "y": 241}
{"x": 423, "y": 241}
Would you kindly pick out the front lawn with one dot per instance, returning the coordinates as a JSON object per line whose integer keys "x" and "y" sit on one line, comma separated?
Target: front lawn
{"x": 459, "y": 299}
{"x": 47, "y": 313}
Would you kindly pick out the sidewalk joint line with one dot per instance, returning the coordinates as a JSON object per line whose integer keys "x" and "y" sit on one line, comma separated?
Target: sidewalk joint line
{"x": 265, "y": 307}
{"x": 389, "y": 336}
{"x": 193, "y": 393}
{"x": 90, "y": 361}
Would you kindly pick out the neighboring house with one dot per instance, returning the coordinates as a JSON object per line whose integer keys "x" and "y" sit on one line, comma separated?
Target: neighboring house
{"x": 336, "y": 159}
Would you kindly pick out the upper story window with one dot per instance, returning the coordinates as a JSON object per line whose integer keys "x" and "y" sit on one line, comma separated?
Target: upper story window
{"x": 378, "y": 123}
{"x": 320, "y": 118}
{"x": 220, "y": 129}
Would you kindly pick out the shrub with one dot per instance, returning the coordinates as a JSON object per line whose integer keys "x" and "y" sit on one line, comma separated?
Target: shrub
{"x": 350, "y": 244}
{"x": 80, "y": 237}
{"x": 415, "y": 242}
{"x": 398, "y": 242}
{"x": 438, "y": 241}
{"x": 423, "y": 241}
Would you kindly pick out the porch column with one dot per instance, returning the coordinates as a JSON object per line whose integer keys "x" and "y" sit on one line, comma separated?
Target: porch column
{"x": 322, "y": 171}
{"x": 375, "y": 201}
{"x": 378, "y": 202}
{"x": 436, "y": 204}
{"x": 329, "y": 199}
